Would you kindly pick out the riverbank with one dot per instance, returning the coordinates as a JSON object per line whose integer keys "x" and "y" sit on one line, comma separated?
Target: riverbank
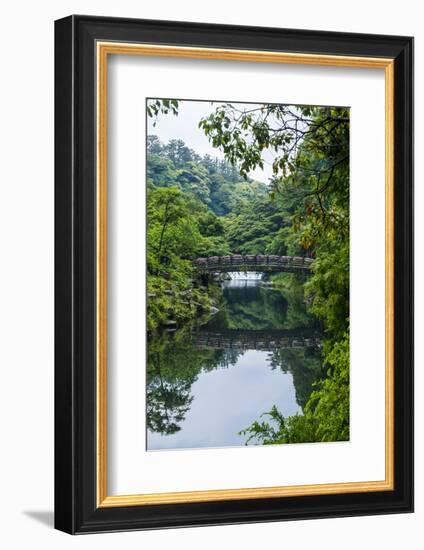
{"x": 174, "y": 303}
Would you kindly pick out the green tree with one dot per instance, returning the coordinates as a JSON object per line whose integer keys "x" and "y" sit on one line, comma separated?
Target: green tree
{"x": 173, "y": 238}
{"x": 154, "y": 145}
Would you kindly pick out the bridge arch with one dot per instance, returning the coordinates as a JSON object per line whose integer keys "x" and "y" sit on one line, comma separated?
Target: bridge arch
{"x": 260, "y": 263}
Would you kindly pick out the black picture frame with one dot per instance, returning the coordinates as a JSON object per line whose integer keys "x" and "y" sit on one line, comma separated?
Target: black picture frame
{"x": 76, "y": 510}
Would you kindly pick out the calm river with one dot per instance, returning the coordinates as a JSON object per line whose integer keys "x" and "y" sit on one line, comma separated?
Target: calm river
{"x": 206, "y": 384}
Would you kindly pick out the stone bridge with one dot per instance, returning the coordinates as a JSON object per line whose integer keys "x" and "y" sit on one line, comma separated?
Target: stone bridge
{"x": 265, "y": 264}
{"x": 255, "y": 339}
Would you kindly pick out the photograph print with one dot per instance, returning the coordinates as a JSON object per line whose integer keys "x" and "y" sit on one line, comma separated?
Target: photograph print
{"x": 247, "y": 274}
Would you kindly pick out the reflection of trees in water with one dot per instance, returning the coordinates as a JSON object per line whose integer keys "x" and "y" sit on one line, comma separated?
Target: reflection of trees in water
{"x": 174, "y": 362}
{"x": 305, "y": 365}
{"x": 173, "y": 365}
{"x": 254, "y": 307}
{"x": 167, "y": 400}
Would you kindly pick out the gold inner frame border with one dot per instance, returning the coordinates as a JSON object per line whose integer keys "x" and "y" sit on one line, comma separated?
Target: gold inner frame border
{"x": 103, "y": 50}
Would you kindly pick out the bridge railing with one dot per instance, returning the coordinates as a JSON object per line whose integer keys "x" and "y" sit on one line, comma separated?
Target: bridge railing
{"x": 254, "y": 340}
{"x": 239, "y": 261}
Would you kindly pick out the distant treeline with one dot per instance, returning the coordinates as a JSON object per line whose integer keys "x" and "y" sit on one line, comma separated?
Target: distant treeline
{"x": 213, "y": 181}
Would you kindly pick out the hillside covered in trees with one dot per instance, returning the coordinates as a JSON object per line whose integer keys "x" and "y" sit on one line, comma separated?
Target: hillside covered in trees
{"x": 200, "y": 207}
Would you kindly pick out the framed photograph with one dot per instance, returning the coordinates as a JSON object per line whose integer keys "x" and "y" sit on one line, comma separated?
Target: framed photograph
{"x": 234, "y": 274}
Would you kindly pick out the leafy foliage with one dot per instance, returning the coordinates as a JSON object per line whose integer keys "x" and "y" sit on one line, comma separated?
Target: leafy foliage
{"x": 178, "y": 230}
{"x": 214, "y": 182}
{"x": 156, "y": 106}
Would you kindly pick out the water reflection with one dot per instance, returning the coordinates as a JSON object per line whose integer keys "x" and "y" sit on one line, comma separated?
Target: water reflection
{"x": 205, "y": 385}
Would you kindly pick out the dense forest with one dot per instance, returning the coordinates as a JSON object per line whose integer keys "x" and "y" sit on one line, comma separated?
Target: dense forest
{"x": 200, "y": 206}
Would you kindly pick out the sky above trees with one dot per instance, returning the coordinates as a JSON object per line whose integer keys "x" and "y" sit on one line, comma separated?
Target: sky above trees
{"x": 186, "y": 127}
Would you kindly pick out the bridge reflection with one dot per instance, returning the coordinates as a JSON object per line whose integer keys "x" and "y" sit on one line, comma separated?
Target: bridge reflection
{"x": 255, "y": 339}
